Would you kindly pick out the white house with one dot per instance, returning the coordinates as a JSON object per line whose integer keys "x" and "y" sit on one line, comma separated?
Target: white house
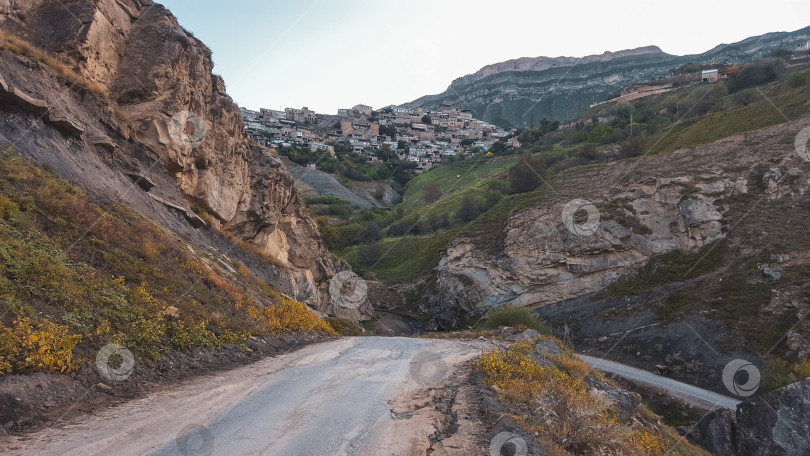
{"x": 710, "y": 75}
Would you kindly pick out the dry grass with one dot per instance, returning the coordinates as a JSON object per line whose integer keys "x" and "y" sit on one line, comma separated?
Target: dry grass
{"x": 252, "y": 248}
{"x": 13, "y": 43}
{"x": 554, "y": 403}
{"x": 75, "y": 277}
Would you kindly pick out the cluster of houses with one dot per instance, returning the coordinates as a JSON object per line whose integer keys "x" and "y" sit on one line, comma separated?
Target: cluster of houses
{"x": 422, "y": 136}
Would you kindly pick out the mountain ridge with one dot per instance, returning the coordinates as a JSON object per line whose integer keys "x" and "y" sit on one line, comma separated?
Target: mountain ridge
{"x": 512, "y": 92}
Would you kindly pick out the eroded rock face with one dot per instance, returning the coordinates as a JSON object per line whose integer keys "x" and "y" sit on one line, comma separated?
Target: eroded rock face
{"x": 774, "y": 424}
{"x": 154, "y": 71}
{"x": 674, "y": 202}
{"x": 543, "y": 262}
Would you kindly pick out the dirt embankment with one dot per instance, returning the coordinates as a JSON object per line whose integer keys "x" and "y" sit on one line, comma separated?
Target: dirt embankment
{"x": 32, "y": 402}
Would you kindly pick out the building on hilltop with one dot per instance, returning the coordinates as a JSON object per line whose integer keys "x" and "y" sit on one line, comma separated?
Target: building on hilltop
{"x": 364, "y": 130}
{"x": 300, "y": 115}
{"x": 710, "y": 75}
{"x": 362, "y": 110}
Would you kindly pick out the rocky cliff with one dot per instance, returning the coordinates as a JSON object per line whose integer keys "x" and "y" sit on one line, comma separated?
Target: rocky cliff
{"x": 131, "y": 111}
{"x": 685, "y": 259}
{"x": 774, "y": 424}
{"x": 511, "y": 93}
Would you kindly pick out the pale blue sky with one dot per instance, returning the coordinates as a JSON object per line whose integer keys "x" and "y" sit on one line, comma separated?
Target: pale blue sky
{"x": 327, "y": 54}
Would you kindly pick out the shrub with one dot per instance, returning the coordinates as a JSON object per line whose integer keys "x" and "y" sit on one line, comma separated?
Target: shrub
{"x": 27, "y": 347}
{"x": 470, "y": 209}
{"x": 757, "y": 73}
{"x": 184, "y": 336}
{"x": 513, "y": 316}
{"x": 345, "y": 327}
{"x": 370, "y": 255}
{"x": 797, "y": 80}
{"x": 369, "y": 233}
{"x": 288, "y": 316}
{"x": 8, "y": 208}
{"x": 746, "y": 97}
{"x": 564, "y": 416}
{"x": 526, "y": 175}
{"x": 802, "y": 369}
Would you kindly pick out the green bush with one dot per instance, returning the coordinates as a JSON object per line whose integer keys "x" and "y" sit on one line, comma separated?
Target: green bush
{"x": 8, "y": 208}
{"x": 513, "y": 316}
{"x": 797, "y": 80}
{"x": 345, "y": 327}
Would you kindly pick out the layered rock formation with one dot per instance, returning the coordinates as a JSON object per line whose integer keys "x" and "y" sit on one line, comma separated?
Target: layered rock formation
{"x": 133, "y": 83}
{"x": 511, "y": 93}
{"x": 632, "y": 211}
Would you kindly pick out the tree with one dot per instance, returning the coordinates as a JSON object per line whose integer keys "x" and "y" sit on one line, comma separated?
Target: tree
{"x": 746, "y": 97}
{"x": 469, "y": 210}
{"x": 369, "y": 255}
{"x": 498, "y": 147}
{"x": 439, "y": 222}
{"x": 369, "y": 233}
{"x": 600, "y": 133}
{"x": 388, "y": 130}
{"x": 432, "y": 193}
{"x": 426, "y": 119}
{"x": 781, "y": 54}
{"x": 525, "y": 175}
{"x": 760, "y": 72}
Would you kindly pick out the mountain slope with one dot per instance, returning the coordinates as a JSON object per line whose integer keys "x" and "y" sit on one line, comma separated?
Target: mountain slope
{"x": 512, "y": 93}
{"x": 127, "y": 107}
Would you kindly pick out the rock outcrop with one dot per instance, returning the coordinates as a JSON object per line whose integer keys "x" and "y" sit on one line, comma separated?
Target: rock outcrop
{"x": 131, "y": 82}
{"x": 631, "y": 211}
{"x": 774, "y": 424}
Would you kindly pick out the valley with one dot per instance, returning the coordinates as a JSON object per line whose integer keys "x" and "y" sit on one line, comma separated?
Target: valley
{"x": 556, "y": 256}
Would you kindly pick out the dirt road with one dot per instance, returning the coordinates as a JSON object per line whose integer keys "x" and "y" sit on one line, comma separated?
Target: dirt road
{"x": 674, "y": 388}
{"x": 352, "y": 396}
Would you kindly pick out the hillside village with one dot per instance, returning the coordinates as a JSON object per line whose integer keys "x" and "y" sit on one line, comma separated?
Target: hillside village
{"x": 421, "y": 136}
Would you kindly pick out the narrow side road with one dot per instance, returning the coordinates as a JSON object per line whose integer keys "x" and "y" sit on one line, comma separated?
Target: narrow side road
{"x": 352, "y": 396}
{"x": 673, "y": 387}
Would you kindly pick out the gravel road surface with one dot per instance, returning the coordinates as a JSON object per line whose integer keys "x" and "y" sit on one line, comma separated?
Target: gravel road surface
{"x": 351, "y": 396}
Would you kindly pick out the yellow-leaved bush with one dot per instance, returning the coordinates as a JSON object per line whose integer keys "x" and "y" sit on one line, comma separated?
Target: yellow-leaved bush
{"x": 27, "y": 346}
{"x": 287, "y": 315}
{"x": 564, "y": 416}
